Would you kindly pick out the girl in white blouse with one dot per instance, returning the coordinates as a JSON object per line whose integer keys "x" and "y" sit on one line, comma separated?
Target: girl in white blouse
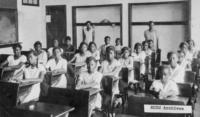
{"x": 41, "y": 55}
{"x": 80, "y": 58}
{"x": 58, "y": 65}
{"x": 91, "y": 79}
{"x": 15, "y": 63}
{"x": 32, "y": 73}
{"x": 127, "y": 62}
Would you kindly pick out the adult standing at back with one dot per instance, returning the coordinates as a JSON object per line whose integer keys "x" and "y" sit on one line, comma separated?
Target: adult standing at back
{"x": 152, "y": 34}
{"x": 88, "y": 32}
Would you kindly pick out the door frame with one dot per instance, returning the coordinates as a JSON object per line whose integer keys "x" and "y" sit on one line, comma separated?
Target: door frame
{"x": 65, "y": 22}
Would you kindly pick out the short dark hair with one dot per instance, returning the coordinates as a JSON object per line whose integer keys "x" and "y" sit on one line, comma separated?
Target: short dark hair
{"x": 117, "y": 39}
{"x": 91, "y": 58}
{"x": 110, "y": 48}
{"x": 88, "y": 22}
{"x": 37, "y": 43}
{"x": 82, "y": 43}
{"x": 68, "y": 38}
{"x": 190, "y": 40}
{"x": 150, "y": 22}
{"x": 55, "y": 48}
{"x": 137, "y": 45}
{"x": 17, "y": 46}
{"x": 90, "y": 44}
{"x": 182, "y": 44}
{"x": 124, "y": 49}
{"x": 106, "y": 37}
{"x": 169, "y": 54}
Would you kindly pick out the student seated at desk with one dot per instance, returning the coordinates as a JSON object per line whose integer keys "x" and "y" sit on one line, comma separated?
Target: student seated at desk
{"x": 165, "y": 87}
{"x": 68, "y": 48}
{"x": 103, "y": 48}
{"x": 127, "y": 62}
{"x": 58, "y": 65}
{"x": 139, "y": 56}
{"x": 41, "y": 55}
{"x": 182, "y": 60}
{"x": 32, "y": 73}
{"x": 191, "y": 48}
{"x": 93, "y": 50}
{"x": 91, "y": 79}
{"x": 118, "y": 47}
{"x": 177, "y": 72}
{"x": 15, "y": 63}
{"x": 80, "y": 57}
{"x": 111, "y": 68}
{"x": 146, "y": 48}
{"x": 50, "y": 50}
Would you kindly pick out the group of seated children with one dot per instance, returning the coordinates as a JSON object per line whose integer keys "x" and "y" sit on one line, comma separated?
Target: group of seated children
{"x": 97, "y": 64}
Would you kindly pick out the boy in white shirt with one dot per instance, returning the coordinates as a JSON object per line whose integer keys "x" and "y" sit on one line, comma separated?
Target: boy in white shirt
{"x": 91, "y": 79}
{"x": 165, "y": 87}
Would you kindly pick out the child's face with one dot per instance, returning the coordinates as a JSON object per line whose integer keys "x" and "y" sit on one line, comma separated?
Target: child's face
{"x": 68, "y": 42}
{"x": 126, "y": 54}
{"x": 173, "y": 60}
{"x": 17, "y": 51}
{"x": 84, "y": 48}
{"x": 93, "y": 48}
{"x": 118, "y": 42}
{"x": 181, "y": 56}
{"x": 146, "y": 46}
{"x": 32, "y": 59}
{"x": 138, "y": 49}
{"x": 91, "y": 66}
{"x": 151, "y": 44}
{"x": 55, "y": 43}
{"x": 191, "y": 45}
{"x": 38, "y": 47}
{"x": 57, "y": 53}
{"x": 184, "y": 48}
{"x": 107, "y": 41}
{"x": 111, "y": 55}
{"x": 165, "y": 75}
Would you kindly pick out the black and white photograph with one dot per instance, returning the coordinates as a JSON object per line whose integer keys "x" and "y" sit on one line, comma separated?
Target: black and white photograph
{"x": 99, "y": 58}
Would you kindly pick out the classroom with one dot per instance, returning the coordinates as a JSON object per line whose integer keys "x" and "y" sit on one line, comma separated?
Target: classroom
{"x": 99, "y": 58}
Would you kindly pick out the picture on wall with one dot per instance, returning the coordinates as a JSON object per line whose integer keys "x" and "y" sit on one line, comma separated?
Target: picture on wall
{"x": 30, "y": 2}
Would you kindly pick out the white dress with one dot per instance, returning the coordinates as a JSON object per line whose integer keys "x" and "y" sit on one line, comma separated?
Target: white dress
{"x": 140, "y": 58}
{"x": 62, "y": 64}
{"x": 128, "y": 63}
{"x": 108, "y": 68}
{"x": 177, "y": 74}
{"x": 87, "y": 78}
{"x": 32, "y": 73}
{"x": 42, "y": 60}
{"x": 82, "y": 59}
{"x": 12, "y": 62}
{"x": 88, "y": 34}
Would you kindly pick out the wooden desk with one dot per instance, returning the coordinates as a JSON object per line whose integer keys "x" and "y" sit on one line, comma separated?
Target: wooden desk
{"x": 51, "y": 109}
{"x": 185, "y": 100}
{"x": 92, "y": 91}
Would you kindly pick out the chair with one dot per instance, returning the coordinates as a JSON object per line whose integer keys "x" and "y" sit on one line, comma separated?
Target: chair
{"x": 107, "y": 94}
{"x": 189, "y": 77}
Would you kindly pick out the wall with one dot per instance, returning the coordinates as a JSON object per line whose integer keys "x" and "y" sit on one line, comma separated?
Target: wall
{"x": 70, "y": 3}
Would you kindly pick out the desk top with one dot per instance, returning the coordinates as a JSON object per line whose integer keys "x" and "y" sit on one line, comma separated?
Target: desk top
{"x": 28, "y": 83}
{"x": 53, "y": 109}
{"x": 92, "y": 90}
{"x": 178, "y": 98}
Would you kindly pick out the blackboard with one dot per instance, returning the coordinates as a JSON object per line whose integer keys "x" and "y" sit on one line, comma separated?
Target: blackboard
{"x": 8, "y": 26}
